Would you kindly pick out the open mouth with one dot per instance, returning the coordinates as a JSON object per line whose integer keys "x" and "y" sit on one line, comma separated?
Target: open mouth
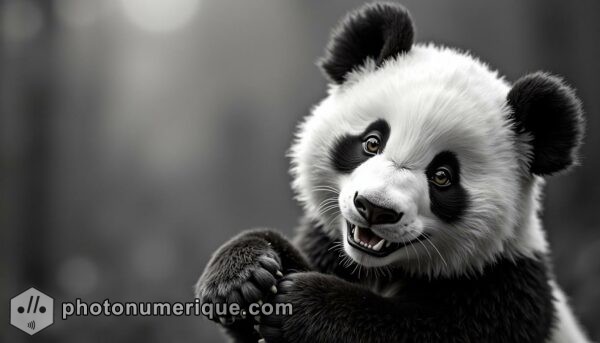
{"x": 365, "y": 240}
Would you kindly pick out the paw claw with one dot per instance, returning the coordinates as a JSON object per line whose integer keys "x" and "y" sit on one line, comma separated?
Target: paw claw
{"x": 270, "y": 263}
{"x": 279, "y": 273}
{"x": 273, "y": 289}
{"x": 263, "y": 278}
{"x": 257, "y": 328}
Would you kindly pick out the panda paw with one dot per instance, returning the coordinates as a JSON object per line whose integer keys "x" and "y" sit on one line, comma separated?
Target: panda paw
{"x": 243, "y": 273}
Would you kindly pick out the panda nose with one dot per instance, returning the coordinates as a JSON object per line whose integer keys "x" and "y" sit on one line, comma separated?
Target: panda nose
{"x": 375, "y": 214}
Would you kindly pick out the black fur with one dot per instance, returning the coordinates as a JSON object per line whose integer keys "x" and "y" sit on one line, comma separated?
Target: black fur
{"x": 544, "y": 107}
{"x": 448, "y": 203}
{"x": 348, "y": 152}
{"x": 510, "y": 301}
{"x": 377, "y": 31}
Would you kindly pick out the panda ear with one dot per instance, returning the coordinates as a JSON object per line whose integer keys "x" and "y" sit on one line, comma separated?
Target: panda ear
{"x": 378, "y": 31}
{"x": 547, "y": 110}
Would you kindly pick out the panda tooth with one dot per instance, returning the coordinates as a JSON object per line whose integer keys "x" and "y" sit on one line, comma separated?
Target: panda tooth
{"x": 356, "y": 235}
{"x": 379, "y": 245}
{"x": 387, "y": 244}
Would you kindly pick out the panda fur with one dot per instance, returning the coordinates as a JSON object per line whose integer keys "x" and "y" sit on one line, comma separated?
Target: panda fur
{"x": 430, "y": 150}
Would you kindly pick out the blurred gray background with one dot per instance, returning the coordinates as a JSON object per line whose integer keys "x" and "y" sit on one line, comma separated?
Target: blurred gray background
{"x": 136, "y": 136}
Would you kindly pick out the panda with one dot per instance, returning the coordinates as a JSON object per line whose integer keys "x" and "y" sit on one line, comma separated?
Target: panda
{"x": 420, "y": 175}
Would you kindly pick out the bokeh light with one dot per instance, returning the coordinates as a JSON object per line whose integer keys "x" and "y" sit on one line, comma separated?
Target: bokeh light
{"x": 160, "y": 15}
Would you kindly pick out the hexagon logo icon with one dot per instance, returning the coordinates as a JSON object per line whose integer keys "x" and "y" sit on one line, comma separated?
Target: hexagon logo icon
{"x": 32, "y": 311}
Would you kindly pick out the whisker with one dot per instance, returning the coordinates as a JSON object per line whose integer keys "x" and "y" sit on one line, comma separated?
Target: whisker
{"x": 332, "y": 198}
{"x": 326, "y": 189}
{"x": 418, "y": 259}
{"x": 426, "y": 250}
{"x": 331, "y": 216}
{"x": 326, "y": 202}
{"x": 436, "y": 249}
{"x": 337, "y": 215}
{"x": 448, "y": 235}
{"x": 328, "y": 208}
{"x": 325, "y": 186}
{"x": 335, "y": 245}
{"x": 346, "y": 262}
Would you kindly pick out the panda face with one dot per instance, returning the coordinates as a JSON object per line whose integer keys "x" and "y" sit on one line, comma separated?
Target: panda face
{"x": 423, "y": 157}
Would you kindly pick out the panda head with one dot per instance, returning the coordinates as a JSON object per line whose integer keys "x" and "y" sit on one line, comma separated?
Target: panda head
{"x": 423, "y": 158}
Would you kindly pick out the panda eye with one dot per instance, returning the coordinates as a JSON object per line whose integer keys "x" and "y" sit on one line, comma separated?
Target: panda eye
{"x": 372, "y": 145}
{"x": 441, "y": 177}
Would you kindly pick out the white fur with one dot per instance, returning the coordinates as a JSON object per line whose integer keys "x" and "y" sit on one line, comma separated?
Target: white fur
{"x": 567, "y": 328}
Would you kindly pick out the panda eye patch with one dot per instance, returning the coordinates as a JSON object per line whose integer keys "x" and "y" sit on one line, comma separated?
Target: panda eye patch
{"x": 350, "y": 151}
{"x": 441, "y": 177}
{"x": 449, "y": 200}
{"x": 372, "y": 144}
